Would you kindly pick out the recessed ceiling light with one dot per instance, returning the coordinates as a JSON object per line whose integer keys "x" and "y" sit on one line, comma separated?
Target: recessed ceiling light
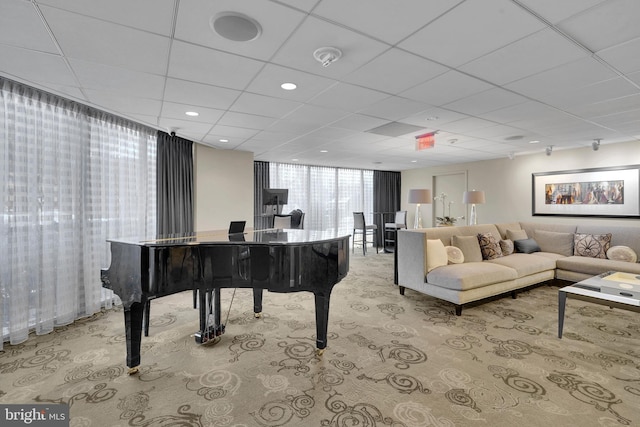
{"x": 414, "y": 161}
{"x": 294, "y": 160}
{"x": 288, "y": 86}
{"x": 324, "y": 151}
{"x": 224, "y": 140}
{"x": 535, "y": 141}
{"x": 192, "y": 113}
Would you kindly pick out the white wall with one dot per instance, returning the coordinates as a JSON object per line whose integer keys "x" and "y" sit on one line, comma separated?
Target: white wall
{"x": 507, "y": 183}
{"x": 223, "y": 187}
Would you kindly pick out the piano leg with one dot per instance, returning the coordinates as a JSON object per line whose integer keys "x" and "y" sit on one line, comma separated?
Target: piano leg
{"x": 209, "y": 307}
{"x": 257, "y": 302}
{"x": 133, "y": 329}
{"x": 322, "y": 321}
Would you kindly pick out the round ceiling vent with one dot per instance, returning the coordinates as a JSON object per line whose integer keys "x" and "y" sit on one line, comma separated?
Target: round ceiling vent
{"x": 235, "y": 27}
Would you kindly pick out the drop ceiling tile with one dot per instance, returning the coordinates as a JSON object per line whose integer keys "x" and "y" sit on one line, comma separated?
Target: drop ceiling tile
{"x": 204, "y": 65}
{"x": 395, "y": 71}
{"x": 277, "y": 22}
{"x": 379, "y": 18}
{"x": 489, "y": 100}
{"x": 537, "y": 52}
{"x": 598, "y": 92}
{"x": 356, "y": 49}
{"x": 231, "y": 133}
{"x": 107, "y": 43}
{"x": 624, "y": 57}
{"x": 155, "y": 16}
{"x": 433, "y": 117}
{"x": 394, "y": 108}
{"x": 249, "y": 121}
{"x": 562, "y": 79}
{"x": 446, "y": 88}
{"x": 29, "y": 66}
{"x": 467, "y": 125}
{"x": 358, "y": 122}
{"x": 120, "y": 80}
{"x": 21, "y": 26}
{"x": 177, "y": 111}
{"x": 318, "y": 116}
{"x": 347, "y": 97}
{"x": 126, "y": 104}
{"x": 471, "y": 30}
{"x": 268, "y": 82}
{"x": 249, "y": 103}
{"x": 608, "y": 24}
{"x": 611, "y": 106}
{"x": 198, "y": 94}
{"x": 304, "y": 5}
{"x": 555, "y": 11}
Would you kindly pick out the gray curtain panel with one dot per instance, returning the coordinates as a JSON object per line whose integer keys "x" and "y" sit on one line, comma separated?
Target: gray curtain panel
{"x": 175, "y": 185}
{"x": 386, "y": 195}
{"x": 260, "y": 181}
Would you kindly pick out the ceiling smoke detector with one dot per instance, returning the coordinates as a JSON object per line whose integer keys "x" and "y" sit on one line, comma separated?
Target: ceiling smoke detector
{"x": 327, "y": 55}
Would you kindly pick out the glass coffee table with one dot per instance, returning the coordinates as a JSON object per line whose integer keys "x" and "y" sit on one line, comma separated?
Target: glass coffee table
{"x": 615, "y": 289}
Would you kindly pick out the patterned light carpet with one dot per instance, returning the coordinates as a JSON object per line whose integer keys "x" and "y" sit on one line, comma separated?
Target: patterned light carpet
{"x": 391, "y": 361}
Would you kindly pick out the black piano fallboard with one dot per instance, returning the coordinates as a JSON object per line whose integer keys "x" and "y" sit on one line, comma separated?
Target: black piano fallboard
{"x": 276, "y": 260}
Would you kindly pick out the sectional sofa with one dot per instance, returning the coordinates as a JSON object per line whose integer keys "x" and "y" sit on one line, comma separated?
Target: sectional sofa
{"x": 470, "y": 263}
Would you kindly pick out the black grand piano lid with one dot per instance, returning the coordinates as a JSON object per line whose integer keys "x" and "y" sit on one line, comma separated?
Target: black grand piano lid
{"x": 221, "y": 236}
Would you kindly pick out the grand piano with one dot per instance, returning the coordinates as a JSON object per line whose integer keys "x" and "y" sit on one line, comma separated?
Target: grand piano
{"x": 143, "y": 269}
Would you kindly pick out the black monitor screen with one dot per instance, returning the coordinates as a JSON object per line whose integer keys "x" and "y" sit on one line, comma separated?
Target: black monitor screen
{"x": 275, "y": 196}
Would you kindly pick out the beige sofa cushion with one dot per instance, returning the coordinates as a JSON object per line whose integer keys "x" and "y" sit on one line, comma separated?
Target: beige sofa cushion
{"x": 595, "y": 266}
{"x": 516, "y": 235}
{"x": 553, "y": 241}
{"x": 470, "y": 275}
{"x": 526, "y": 264}
{"x": 469, "y": 246}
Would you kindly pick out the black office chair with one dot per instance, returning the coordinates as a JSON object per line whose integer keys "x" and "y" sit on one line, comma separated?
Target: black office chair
{"x": 391, "y": 229}
{"x": 361, "y": 227}
{"x": 297, "y": 219}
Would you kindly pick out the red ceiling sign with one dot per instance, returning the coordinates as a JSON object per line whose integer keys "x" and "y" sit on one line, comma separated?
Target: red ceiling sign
{"x": 424, "y": 141}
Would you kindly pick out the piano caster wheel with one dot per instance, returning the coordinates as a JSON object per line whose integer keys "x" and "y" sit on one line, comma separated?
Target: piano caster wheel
{"x": 319, "y": 352}
{"x": 257, "y": 315}
{"x": 133, "y": 371}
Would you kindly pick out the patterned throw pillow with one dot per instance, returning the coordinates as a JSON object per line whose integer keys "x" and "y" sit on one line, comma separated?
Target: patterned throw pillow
{"x": 622, "y": 253}
{"x": 591, "y": 245}
{"x": 454, "y": 254}
{"x": 507, "y": 247}
{"x": 489, "y": 246}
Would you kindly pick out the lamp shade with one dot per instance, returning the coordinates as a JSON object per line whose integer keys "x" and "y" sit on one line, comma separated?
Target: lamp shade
{"x": 473, "y": 197}
{"x": 419, "y": 196}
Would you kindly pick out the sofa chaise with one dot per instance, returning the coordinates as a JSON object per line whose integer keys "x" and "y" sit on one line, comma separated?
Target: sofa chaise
{"x": 470, "y": 263}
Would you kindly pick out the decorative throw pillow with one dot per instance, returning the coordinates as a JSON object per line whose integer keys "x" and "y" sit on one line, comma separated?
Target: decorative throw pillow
{"x": 514, "y": 235}
{"x": 526, "y": 246}
{"x": 622, "y": 253}
{"x": 507, "y": 247}
{"x": 436, "y": 254}
{"x": 591, "y": 245}
{"x": 489, "y": 246}
{"x": 469, "y": 246}
{"x": 557, "y": 243}
{"x": 454, "y": 255}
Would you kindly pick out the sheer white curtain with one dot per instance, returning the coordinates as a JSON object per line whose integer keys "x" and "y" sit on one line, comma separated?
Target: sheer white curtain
{"x": 71, "y": 178}
{"x": 328, "y": 196}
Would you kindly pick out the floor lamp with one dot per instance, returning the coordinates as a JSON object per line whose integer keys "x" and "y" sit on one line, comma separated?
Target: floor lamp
{"x": 474, "y": 198}
{"x": 419, "y": 196}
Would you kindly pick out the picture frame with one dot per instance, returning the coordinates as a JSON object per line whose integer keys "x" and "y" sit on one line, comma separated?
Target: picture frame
{"x": 609, "y": 192}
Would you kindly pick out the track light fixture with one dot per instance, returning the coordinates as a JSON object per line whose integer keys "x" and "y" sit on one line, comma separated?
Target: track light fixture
{"x": 596, "y": 144}
{"x": 548, "y": 150}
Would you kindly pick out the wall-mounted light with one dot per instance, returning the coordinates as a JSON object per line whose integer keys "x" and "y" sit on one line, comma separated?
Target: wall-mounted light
{"x": 548, "y": 150}
{"x": 596, "y": 144}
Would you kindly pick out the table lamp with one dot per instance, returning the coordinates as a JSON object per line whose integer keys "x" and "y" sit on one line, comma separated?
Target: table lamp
{"x": 419, "y": 196}
{"x": 474, "y": 198}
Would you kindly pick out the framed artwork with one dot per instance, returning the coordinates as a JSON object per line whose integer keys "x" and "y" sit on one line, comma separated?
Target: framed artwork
{"x": 599, "y": 192}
